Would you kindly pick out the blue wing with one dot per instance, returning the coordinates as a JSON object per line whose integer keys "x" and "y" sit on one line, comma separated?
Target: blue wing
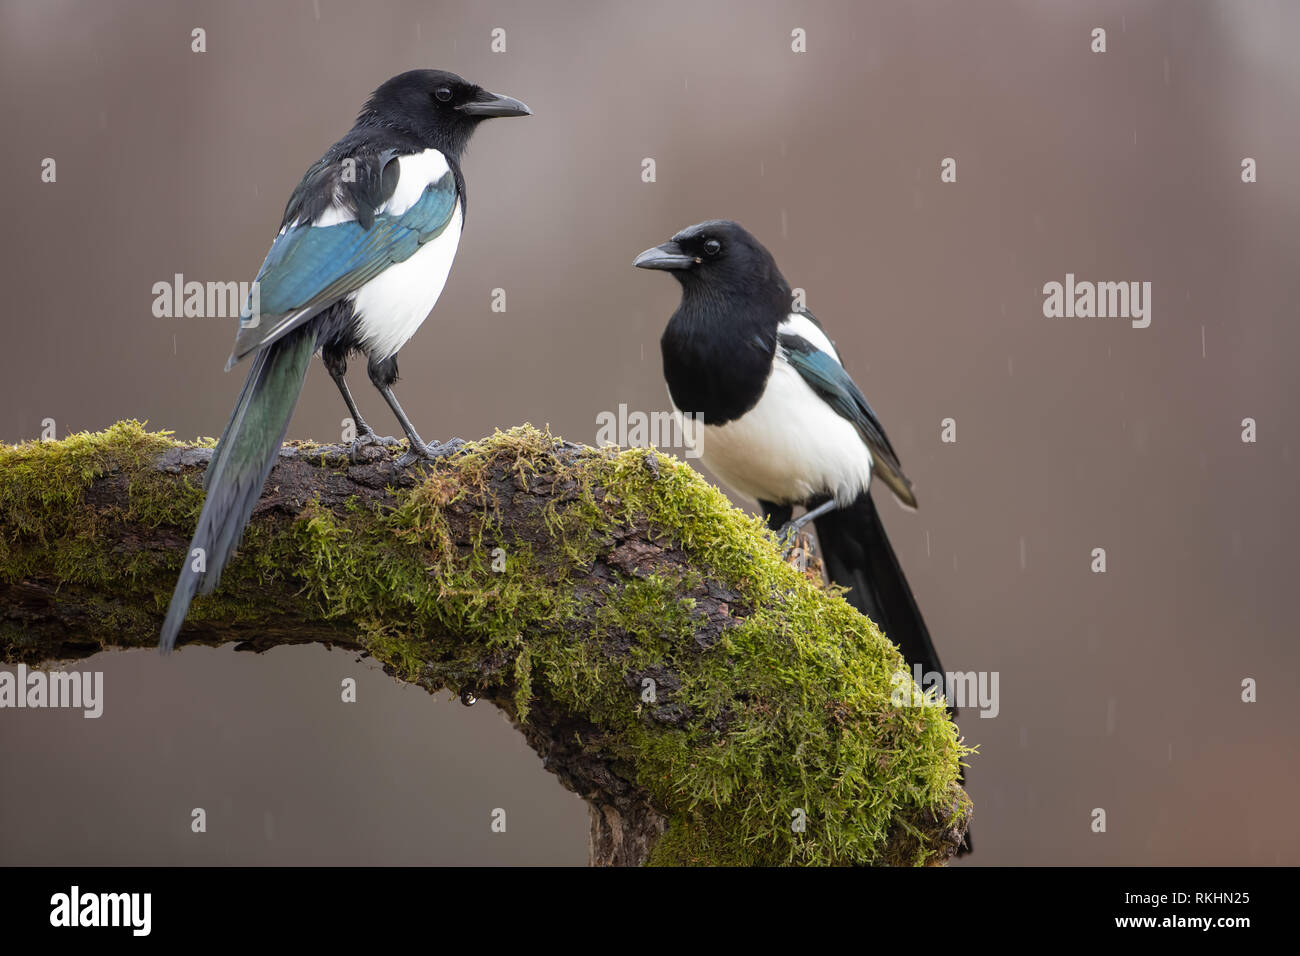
{"x": 828, "y": 378}
{"x": 309, "y": 268}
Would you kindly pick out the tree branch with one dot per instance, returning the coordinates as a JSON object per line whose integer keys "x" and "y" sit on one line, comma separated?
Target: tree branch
{"x": 709, "y": 702}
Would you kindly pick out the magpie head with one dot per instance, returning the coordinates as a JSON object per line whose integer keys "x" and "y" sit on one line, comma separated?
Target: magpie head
{"x": 440, "y": 108}
{"x": 717, "y": 257}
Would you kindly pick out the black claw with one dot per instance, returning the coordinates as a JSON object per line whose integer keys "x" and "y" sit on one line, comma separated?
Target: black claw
{"x": 420, "y": 451}
{"x": 354, "y": 451}
{"x": 788, "y": 538}
{"x": 366, "y": 438}
{"x": 432, "y": 451}
{"x": 409, "y": 459}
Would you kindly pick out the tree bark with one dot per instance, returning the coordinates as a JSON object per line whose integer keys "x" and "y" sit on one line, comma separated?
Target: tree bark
{"x": 554, "y": 580}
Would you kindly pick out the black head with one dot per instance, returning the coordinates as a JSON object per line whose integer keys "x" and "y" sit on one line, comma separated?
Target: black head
{"x": 718, "y": 257}
{"x": 719, "y": 344}
{"x": 439, "y": 108}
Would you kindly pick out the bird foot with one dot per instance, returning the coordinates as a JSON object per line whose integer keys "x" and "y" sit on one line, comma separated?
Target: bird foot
{"x": 430, "y": 452}
{"x": 788, "y": 537}
{"x": 367, "y": 439}
{"x": 797, "y": 549}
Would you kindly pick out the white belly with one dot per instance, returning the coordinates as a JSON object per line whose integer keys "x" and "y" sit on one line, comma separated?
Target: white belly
{"x": 391, "y": 306}
{"x": 789, "y": 448}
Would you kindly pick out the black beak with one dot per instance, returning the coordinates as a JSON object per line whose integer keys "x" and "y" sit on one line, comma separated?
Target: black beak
{"x": 494, "y": 104}
{"x": 667, "y": 256}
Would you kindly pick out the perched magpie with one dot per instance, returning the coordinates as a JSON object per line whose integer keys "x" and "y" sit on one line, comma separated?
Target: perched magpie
{"x": 364, "y": 249}
{"x": 774, "y": 414}
{"x": 782, "y": 421}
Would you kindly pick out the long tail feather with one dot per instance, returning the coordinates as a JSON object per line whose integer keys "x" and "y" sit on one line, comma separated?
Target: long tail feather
{"x": 858, "y": 556}
{"x": 238, "y": 470}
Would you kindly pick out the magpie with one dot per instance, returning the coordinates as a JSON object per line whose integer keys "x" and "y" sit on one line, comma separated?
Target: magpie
{"x": 768, "y": 407}
{"x": 765, "y": 402}
{"x": 364, "y": 249}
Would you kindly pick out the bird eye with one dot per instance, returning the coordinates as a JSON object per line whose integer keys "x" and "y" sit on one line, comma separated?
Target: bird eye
{"x": 443, "y": 95}
{"x": 712, "y": 247}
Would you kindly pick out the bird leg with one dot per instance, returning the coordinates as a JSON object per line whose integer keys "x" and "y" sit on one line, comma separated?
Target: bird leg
{"x": 337, "y": 366}
{"x": 365, "y": 434}
{"x": 790, "y": 530}
{"x": 383, "y": 373}
{"x": 419, "y": 449}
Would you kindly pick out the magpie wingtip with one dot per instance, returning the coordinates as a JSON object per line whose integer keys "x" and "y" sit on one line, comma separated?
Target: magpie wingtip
{"x": 905, "y": 504}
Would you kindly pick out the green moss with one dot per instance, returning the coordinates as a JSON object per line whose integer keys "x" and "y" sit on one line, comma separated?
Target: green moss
{"x": 44, "y": 480}
{"x": 782, "y": 717}
{"x": 801, "y": 683}
{"x": 41, "y": 511}
{"x": 48, "y": 530}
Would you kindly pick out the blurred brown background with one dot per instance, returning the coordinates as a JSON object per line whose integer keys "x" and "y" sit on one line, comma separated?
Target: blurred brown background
{"x": 1119, "y": 691}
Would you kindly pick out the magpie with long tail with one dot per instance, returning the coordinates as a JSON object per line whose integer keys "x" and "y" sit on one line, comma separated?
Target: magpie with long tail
{"x": 782, "y": 421}
{"x": 768, "y": 407}
{"x": 363, "y": 252}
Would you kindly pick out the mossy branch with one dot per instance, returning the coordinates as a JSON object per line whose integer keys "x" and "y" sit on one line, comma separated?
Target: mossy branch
{"x": 711, "y": 703}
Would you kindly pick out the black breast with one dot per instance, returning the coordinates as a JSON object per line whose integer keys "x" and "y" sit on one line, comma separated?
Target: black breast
{"x": 714, "y": 368}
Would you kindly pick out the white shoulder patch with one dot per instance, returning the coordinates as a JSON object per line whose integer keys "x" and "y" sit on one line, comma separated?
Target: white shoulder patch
{"x": 415, "y": 173}
{"x": 335, "y": 214}
{"x": 796, "y": 323}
